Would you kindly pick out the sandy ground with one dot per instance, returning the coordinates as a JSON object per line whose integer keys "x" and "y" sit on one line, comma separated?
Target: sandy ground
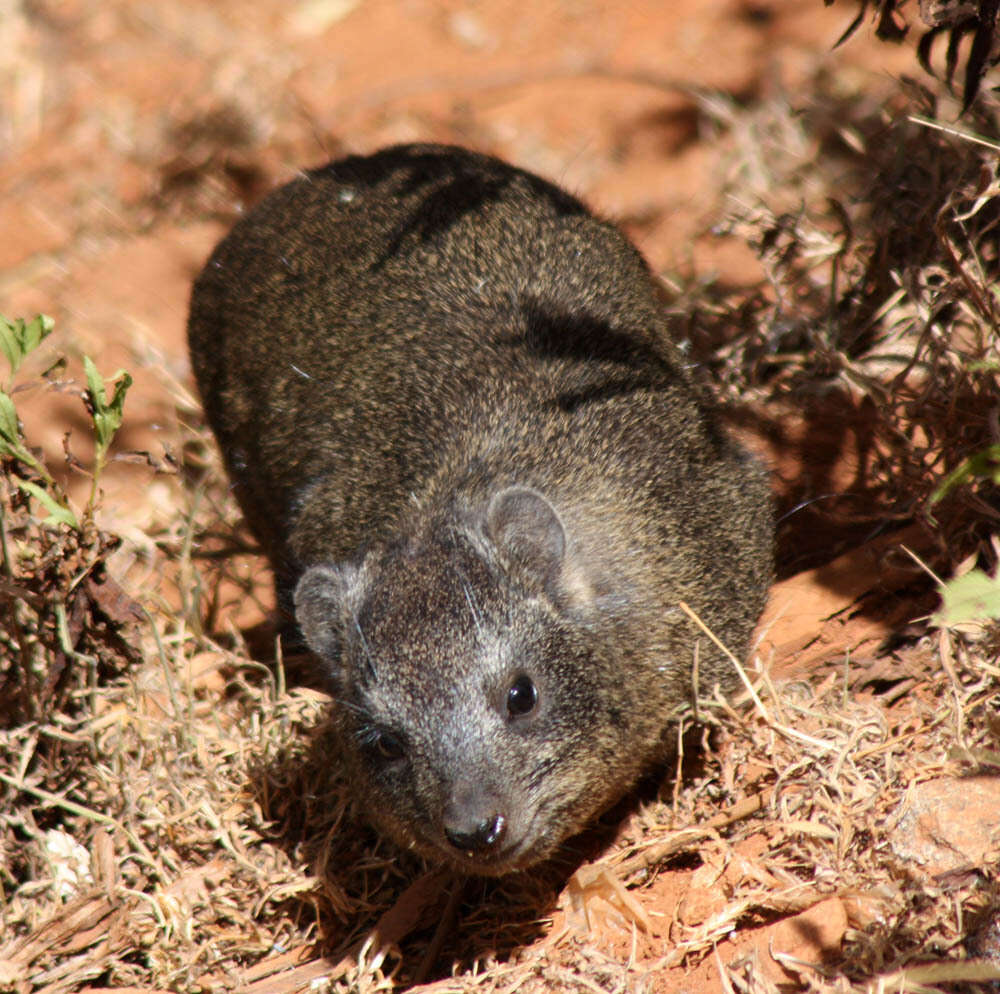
{"x": 135, "y": 133}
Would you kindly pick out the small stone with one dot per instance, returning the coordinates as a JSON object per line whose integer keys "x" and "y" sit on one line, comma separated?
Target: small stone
{"x": 950, "y": 824}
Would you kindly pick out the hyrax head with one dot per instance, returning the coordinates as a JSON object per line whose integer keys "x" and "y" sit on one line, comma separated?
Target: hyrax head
{"x": 480, "y": 705}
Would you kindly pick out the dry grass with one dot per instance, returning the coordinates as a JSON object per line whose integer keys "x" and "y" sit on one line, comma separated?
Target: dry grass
{"x": 181, "y": 824}
{"x": 878, "y": 324}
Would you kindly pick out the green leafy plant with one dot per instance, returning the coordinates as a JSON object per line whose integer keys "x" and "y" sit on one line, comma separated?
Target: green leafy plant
{"x": 61, "y": 619}
{"x": 18, "y": 339}
{"x": 106, "y": 416}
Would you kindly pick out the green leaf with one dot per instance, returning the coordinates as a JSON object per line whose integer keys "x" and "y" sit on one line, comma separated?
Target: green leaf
{"x": 10, "y": 431}
{"x": 972, "y": 597}
{"x": 59, "y": 513}
{"x": 19, "y": 338}
{"x": 983, "y": 465}
{"x": 984, "y": 366}
{"x": 11, "y": 441}
{"x": 37, "y": 331}
{"x": 106, "y": 415}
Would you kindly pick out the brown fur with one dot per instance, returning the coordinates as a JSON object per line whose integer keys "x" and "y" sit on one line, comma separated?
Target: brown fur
{"x": 453, "y": 414}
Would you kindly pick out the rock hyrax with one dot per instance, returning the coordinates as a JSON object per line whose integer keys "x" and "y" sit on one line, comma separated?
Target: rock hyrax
{"x": 453, "y": 415}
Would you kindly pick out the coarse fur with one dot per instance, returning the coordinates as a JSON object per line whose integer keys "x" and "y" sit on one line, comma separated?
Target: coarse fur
{"x": 453, "y": 414}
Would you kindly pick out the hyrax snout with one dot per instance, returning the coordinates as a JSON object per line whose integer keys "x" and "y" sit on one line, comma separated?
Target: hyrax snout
{"x": 453, "y": 414}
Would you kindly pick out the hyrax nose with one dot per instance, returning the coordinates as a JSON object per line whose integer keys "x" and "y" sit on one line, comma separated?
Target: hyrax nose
{"x": 472, "y": 820}
{"x": 477, "y": 837}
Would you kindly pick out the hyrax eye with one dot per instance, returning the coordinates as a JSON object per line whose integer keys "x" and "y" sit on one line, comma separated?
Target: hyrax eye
{"x": 386, "y": 746}
{"x": 522, "y": 697}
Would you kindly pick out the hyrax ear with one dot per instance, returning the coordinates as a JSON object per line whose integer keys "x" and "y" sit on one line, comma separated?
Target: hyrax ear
{"x": 323, "y": 602}
{"x": 527, "y": 531}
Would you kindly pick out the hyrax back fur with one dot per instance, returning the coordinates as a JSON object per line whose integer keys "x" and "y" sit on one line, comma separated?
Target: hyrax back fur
{"x": 454, "y": 417}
